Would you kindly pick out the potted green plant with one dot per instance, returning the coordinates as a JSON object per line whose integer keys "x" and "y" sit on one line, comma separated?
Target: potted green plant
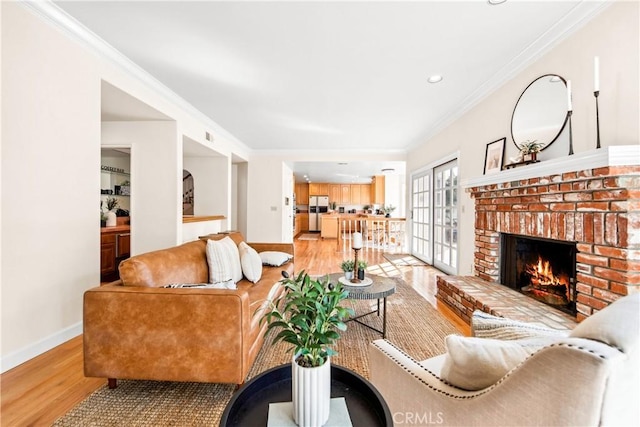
{"x": 308, "y": 316}
{"x": 348, "y": 265}
{"x": 388, "y": 209}
{"x": 112, "y": 205}
{"x": 529, "y": 150}
{"x": 362, "y": 266}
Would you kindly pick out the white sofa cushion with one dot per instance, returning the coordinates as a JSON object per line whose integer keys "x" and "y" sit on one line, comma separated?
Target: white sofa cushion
{"x": 617, "y": 325}
{"x": 473, "y": 363}
{"x": 223, "y": 258}
{"x": 251, "y": 262}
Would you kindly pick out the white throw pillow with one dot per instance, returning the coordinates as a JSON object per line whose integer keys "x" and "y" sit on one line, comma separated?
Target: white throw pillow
{"x": 275, "y": 258}
{"x": 485, "y": 325}
{"x": 251, "y": 262}
{"x": 224, "y": 261}
{"x": 475, "y": 363}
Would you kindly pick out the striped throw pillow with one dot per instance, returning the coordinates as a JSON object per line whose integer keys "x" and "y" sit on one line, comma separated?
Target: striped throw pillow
{"x": 224, "y": 261}
{"x": 484, "y": 325}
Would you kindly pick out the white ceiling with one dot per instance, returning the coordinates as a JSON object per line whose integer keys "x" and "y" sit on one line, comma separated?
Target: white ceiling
{"x": 320, "y": 75}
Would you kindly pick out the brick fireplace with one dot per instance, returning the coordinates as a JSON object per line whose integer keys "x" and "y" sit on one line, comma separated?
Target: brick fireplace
{"x": 591, "y": 199}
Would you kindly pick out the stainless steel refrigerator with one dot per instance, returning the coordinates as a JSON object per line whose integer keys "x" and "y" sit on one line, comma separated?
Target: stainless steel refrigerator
{"x": 318, "y": 205}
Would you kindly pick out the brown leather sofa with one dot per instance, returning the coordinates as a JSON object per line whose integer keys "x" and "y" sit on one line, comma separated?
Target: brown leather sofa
{"x": 135, "y": 328}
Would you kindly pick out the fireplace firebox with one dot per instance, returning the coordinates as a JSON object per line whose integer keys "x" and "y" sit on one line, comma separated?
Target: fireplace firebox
{"x": 542, "y": 269}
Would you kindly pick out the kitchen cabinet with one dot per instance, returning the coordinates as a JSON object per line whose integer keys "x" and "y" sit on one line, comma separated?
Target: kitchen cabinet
{"x": 302, "y": 194}
{"x": 123, "y": 245}
{"x": 377, "y": 190}
{"x": 329, "y": 227}
{"x": 334, "y": 193}
{"x": 318, "y": 189}
{"x": 345, "y": 194}
{"x": 365, "y": 194}
{"x": 355, "y": 194}
{"x": 115, "y": 246}
{"x": 303, "y": 220}
{"x": 107, "y": 254}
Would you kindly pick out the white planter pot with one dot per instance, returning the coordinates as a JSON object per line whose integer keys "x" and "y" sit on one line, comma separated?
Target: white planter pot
{"x": 348, "y": 275}
{"x": 311, "y": 394}
{"x": 111, "y": 219}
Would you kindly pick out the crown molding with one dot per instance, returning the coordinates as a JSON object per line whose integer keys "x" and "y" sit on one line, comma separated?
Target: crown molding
{"x": 582, "y": 13}
{"x": 616, "y": 155}
{"x": 57, "y": 17}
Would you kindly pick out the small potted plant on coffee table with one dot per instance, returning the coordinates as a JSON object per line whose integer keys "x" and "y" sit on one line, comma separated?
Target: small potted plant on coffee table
{"x": 309, "y": 316}
{"x": 362, "y": 266}
{"x": 348, "y": 265}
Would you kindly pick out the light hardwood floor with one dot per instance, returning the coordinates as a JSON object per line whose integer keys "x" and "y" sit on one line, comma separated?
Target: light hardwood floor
{"x": 41, "y": 390}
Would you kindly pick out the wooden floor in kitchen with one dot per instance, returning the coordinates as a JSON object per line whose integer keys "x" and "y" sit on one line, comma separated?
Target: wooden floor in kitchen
{"x": 41, "y": 390}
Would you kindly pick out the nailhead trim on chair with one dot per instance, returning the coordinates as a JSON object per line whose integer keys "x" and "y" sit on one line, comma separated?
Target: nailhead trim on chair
{"x": 485, "y": 390}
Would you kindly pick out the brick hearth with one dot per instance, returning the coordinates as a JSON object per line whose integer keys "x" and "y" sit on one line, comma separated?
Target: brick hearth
{"x": 598, "y": 209}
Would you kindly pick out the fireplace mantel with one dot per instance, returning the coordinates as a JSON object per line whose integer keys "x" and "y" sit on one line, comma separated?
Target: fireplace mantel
{"x": 617, "y": 155}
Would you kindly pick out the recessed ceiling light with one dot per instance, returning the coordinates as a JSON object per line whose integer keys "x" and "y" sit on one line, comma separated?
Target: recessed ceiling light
{"x": 343, "y": 163}
{"x": 495, "y": 2}
{"x": 434, "y": 79}
{"x": 387, "y": 171}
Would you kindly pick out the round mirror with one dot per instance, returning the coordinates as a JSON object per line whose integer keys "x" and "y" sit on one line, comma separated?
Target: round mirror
{"x": 541, "y": 111}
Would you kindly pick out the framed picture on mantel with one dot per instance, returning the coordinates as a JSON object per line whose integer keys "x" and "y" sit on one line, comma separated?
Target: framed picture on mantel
{"x": 494, "y": 156}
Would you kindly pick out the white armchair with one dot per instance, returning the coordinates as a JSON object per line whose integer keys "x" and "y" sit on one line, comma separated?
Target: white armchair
{"x": 589, "y": 378}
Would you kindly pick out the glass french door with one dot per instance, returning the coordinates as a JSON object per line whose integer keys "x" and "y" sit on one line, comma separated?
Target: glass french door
{"x": 421, "y": 213}
{"x": 445, "y": 214}
{"x": 435, "y": 216}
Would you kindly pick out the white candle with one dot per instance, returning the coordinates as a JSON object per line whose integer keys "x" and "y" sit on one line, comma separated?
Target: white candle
{"x": 596, "y": 74}
{"x": 569, "y": 106}
{"x": 357, "y": 240}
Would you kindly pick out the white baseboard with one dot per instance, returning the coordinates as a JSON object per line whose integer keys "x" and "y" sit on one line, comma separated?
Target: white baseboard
{"x": 18, "y": 357}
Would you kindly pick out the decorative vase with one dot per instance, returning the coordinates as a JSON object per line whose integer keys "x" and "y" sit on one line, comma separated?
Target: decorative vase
{"x": 311, "y": 394}
{"x": 387, "y": 215}
{"x": 348, "y": 275}
{"x": 361, "y": 273}
{"x": 111, "y": 219}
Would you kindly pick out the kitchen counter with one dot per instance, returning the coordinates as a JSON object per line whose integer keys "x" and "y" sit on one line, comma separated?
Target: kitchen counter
{"x": 201, "y": 218}
{"x": 117, "y": 229}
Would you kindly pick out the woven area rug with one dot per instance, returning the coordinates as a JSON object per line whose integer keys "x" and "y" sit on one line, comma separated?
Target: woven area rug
{"x": 412, "y": 324}
{"x": 309, "y": 236}
{"x": 403, "y": 259}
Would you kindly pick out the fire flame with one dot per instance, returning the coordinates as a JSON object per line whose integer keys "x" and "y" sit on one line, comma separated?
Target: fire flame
{"x": 542, "y": 274}
{"x": 544, "y": 282}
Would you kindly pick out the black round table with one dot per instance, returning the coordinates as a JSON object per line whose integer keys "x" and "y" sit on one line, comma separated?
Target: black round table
{"x": 249, "y": 406}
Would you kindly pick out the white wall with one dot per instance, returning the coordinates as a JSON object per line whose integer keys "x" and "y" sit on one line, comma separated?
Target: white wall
{"x": 242, "y": 200}
{"x": 50, "y": 182}
{"x": 614, "y": 37}
{"x": 264, "y": 200}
